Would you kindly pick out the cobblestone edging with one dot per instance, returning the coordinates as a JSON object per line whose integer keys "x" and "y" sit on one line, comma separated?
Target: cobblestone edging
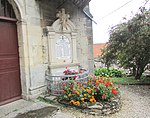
{"x": 103, "y": 108}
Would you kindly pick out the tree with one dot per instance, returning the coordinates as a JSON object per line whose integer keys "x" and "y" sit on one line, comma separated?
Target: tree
{"x": 129, "y": 43}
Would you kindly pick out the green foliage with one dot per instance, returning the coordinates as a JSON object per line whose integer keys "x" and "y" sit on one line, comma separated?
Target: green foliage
{"x": 116, "y": 73}
{"x": 108, "y": 72}
{"x": 96, "y": 89}
{"x": 102, "y": 72}
{"x": 132, "y": 81}
{"x": 129, "y": 43}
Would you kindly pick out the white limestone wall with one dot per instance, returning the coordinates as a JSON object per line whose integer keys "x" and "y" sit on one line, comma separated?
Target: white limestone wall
{"x": 32, "y": 65}
{"x": 32, "y": 16}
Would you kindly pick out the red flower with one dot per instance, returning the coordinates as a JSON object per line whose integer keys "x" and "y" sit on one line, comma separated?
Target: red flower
{"x": 78, "y": 83}
{"x": 71, "y": 86}
{"x": 75, "y": 77}
{"x": 107, "y": 84}
{"x": 104, "y": 96}
{"x": 101, "y": 81}
{"x": 66, "y": 71}
{"x": 114, "y": 91}
{"x": 80, "y": 71}
{"x": 76, "y": 72}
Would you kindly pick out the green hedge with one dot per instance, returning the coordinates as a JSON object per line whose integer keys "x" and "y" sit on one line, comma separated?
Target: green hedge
{"x": 108, "y": 72}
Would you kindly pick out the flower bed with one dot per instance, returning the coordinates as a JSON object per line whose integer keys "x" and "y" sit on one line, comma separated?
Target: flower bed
{"x": 96, "y": 89}
{"x": 97, "y": 95}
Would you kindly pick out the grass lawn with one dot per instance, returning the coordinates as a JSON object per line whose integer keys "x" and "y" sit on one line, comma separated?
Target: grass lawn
{"x": 131, "y": 80}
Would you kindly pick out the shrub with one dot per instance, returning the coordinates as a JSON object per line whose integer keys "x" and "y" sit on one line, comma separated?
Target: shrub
{"x": 108, "y": 72}
{"x": 96, "y": 89}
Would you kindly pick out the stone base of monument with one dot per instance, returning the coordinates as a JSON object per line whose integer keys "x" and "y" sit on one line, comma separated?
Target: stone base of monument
{"x": 56, "y": 78}
{"x": 59, "y": 69}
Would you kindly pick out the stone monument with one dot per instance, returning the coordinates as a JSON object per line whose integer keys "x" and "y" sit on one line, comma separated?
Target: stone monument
{"x": 62, "y": 47}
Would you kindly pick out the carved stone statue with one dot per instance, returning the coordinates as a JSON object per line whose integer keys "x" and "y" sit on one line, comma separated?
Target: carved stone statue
{"x": 63, "y": 18}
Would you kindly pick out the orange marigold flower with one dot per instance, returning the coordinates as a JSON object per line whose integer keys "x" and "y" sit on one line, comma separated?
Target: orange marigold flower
{"x": 77, "y": 92}
{"x": 78, "y": 103}
{"x": 88, "y": 90}
{"x": 69, "y": 95}
{"x": 101, "y": 81}
{"x": 84, "y": 95}
{"x": 72, "y": 102}
{"x": 94, "y": 100}
{"x": 89, "y": 80}
{"x": 97, "y": 81}
{"x": 75, "y": 103}
{"x": 82, "y": 88}
{"x": 82, "y": 99}
{"x": 91, "y": 100}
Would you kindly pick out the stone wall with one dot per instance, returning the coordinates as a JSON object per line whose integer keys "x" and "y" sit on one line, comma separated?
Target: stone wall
{"x": 82, "y": 23}
{"x": 33, "y": 16}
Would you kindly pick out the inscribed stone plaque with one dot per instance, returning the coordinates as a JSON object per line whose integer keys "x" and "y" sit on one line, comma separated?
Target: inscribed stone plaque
{"x": 63, "y": 50}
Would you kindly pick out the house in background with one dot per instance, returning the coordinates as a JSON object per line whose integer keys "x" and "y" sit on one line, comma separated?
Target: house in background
{"x": 97, "y": 51}
{"x": 39, "y": 36}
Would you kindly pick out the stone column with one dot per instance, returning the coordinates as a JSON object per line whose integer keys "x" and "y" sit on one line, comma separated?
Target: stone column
{"x": 74, "y": 48}
{"x": 23, "y": 57}
{"x": 51, "y": 37}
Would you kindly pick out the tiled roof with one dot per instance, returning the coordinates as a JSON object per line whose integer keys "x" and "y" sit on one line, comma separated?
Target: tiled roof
{"x": 97, "y": 49}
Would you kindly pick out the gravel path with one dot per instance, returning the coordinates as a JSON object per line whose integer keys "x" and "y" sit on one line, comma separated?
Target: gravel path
{"x": 135, "y": 104}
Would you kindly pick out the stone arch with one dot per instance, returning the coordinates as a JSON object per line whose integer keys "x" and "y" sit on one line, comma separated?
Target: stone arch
{"x": 22, "y": 40}
{"x": 16, "y": 8}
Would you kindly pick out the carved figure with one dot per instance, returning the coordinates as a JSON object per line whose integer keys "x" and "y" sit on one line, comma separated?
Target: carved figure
{"x": 63, "y": 18}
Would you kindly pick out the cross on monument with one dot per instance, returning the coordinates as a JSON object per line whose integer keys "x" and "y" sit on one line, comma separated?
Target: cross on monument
{"x": 63, "y": 16}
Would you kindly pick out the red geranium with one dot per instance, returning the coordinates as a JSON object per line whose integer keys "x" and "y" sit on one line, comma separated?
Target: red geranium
{"x": 66, "y": 71}
{"x": 114, "y": 91}
{"x": 71, "y": 86}
{"x": 75, "y": 77}
{"x": 107, "y": 84}
{"x": 104, "y": 96}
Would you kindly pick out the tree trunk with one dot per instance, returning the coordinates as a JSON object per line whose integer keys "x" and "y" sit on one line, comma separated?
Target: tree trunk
{"x": 134, "y": 71}
{"x": 139, "y": 72}
{"x": 107, "y": 66}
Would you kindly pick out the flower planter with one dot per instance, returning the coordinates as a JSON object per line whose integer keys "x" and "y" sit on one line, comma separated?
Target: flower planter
{"x": 55, "y": 83}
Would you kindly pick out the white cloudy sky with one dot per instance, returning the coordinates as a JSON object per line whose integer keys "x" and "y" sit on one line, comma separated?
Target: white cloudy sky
{"x": 100, "y": 10}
